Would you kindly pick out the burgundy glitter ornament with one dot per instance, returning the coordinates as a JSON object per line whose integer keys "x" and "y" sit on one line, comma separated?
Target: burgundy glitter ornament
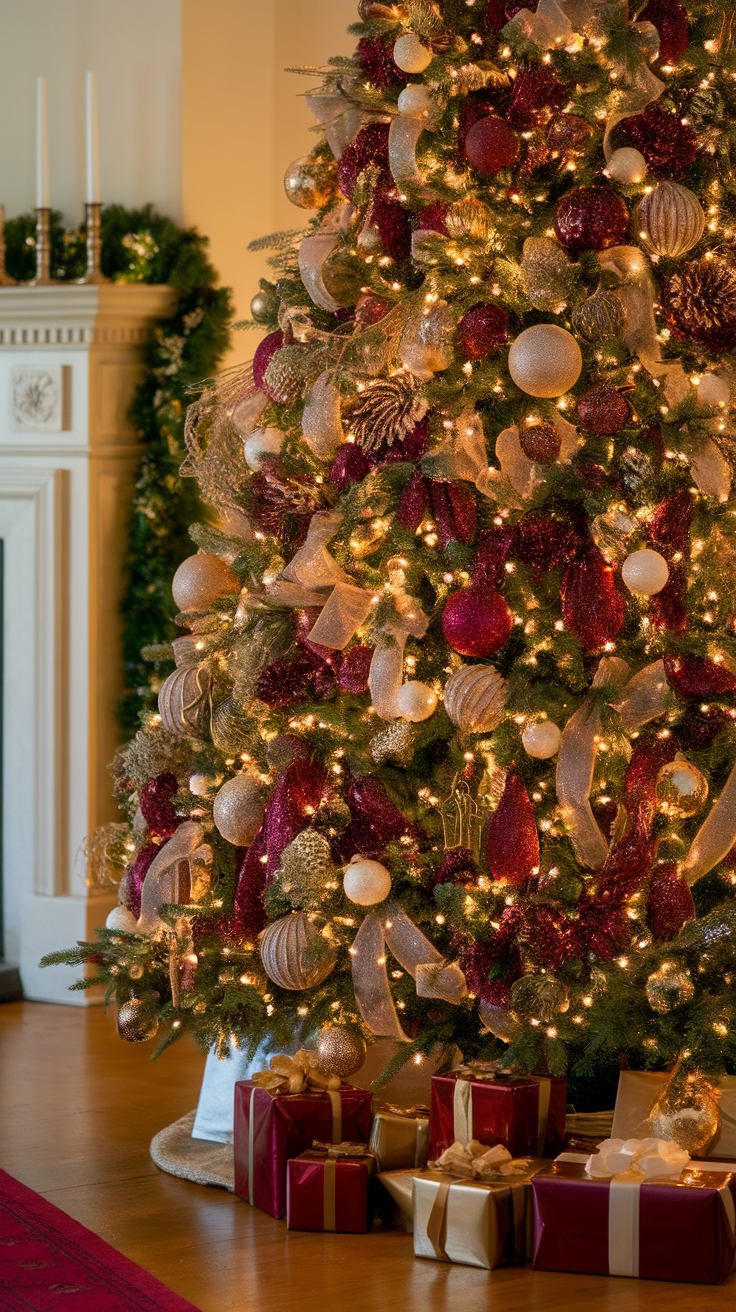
{"x": 668, "y": 608}
{"x": 543, "y": 543}
{"x": 458, "y": 867}
{"x": 670, "y": 902}
{"x": 476, "y": 621}
{"x": 670, "y": 19}
{"x": 131, "y": 884}
{"x": 696, "y": 676}
{"x": 284, "y": 682}
{"x": 351, "y": 465}
{"x": 483, "y": 329}
{"x": 354, "y": 668}
{"x": 453, "y": 510}
{"x": 568, "y": 135}
{"x": 591, "y": 219}
{"x": 432, "y": 218}
{"x": 512, "y": 841}
{"x": 406, "y": 451}
{"x": 701, "y": 302}
{"x": 249, "y": 916}
{"x": 540, "y": 442}
{"x": 375, "y": 821}
{"x": 592, "y": 607}
{"x": 478, "y": 959}
{"x": 369, "y": 147}
{"x": 280, "y": 506}
{"x": 375, "y": 56}
{"x": 667, "y": 144}
{"x": 370, "y": 309}
{"x": 671, "y": 522}
{"x": 473, "y": 109}
{"x": 155, "y": 800}
{"x": 264, "y": 353}
{"x": 414, "y": 502}
{"x": 494, "y": 548}
{"x": 603, "y": 410}
{"x": 491, "y": 145}
{"x": 535, "y": 91}
{"x": 495, "y": 15}
{"x": 392, "y": 222}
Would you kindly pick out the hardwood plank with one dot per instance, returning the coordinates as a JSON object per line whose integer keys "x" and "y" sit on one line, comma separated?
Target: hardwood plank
{"x": 79, "y": 1109}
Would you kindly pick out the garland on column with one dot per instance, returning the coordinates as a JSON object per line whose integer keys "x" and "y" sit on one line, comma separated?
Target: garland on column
{"x": 140, "y": 245}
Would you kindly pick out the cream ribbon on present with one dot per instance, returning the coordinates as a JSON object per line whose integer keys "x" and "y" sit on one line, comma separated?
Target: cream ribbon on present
{"x": 477, "y": 1161}
{"x": 462, "y": 1104}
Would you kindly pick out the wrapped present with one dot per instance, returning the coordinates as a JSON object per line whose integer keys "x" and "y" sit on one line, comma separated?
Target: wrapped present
{"x": 638, "y": 1091}
{"x": 400, "y": 1137}
{"x": 328, "y": 1189}
{"x": 524, "y": 1113}
{"x": 482, "y": 1218}
{"x": 395, "y": 1198}
{"x": 273, "y": 1124}
{"x": 634, "y": 1209}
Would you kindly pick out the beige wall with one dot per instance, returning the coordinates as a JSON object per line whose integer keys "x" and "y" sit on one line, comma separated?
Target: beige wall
{"x": 244, "y": 120}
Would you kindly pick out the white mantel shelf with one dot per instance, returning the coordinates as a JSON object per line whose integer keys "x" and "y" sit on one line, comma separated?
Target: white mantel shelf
{"x": 70, "y": 362}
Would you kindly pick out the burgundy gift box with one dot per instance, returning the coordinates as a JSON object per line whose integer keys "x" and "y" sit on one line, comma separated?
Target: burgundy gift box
{"x": 680, "y": 1229}
{"x": 331, "y": 1193}
{"x": 270, "y": 1127}
{"x": 524, "y": 1113}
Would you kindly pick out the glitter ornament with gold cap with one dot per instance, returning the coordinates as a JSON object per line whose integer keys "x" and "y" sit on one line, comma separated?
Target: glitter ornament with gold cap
{"x": 340, "y": 1051}
{"x": 689, "y": 1117}
{"x": 668, "y": 987}
{"x": 310, "y": 182}
{"x": 681, "y": 789}
{"x": 135, "y": 1022}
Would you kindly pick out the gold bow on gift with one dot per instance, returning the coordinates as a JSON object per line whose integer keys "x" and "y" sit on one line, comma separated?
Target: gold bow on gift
{"x": 296, "y": 1074}
{"x": 479, "y": 1162}
{"x": 346, "y": 1149}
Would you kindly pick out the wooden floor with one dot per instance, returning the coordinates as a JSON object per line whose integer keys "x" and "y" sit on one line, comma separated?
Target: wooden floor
{"x": 78, "y": 1109}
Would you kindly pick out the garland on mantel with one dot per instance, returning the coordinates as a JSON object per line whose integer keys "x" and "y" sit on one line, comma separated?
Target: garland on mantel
{"x": 140, "y": 245}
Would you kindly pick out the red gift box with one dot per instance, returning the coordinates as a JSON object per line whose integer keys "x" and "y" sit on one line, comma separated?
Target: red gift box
{"x": 270, "y": 1127}
{"x": 330, "y": 1190}
{"x": 524, "y": 1113}
{"x": 674, "y": 1229}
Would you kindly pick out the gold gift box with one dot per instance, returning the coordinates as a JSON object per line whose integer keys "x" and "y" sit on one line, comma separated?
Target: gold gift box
{"x": 395, "y": 1200}
{"x": 399, "y": 1141}
{"x": 473, "y": 1222}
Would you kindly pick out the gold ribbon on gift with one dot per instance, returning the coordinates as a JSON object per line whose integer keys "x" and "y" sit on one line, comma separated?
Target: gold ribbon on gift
{"x": 296, "y": 1074}
{"x": 506, "y": 1218}
{"x": 330, "y": 1154}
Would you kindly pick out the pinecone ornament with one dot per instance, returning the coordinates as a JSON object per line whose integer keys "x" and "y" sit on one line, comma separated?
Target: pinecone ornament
{"x": 701, "y": 300}
{"x": 388, "y": 411}
{"x": 287, "y": 373}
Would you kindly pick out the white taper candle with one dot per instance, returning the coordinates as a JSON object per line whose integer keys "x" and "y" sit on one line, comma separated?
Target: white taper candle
{"x": 93, "y": 146}
{"x": 42, "y": 146}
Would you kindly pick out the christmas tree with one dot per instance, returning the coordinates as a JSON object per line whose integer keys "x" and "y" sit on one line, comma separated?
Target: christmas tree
{"x": 447, "y": 755}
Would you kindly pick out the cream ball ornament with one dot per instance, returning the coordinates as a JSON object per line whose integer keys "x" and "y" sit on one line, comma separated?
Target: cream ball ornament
{"x": 366, "y": 882}
{"x": 713, "y": 391}
{"x": 410, "y": 55}
{"x": 264, "y": 442}
{"x": 238, "y": 810}
{"x": 627, "y": 166}
{"x": 199, "y": 580}
{"x": 416, "y": 701}
{"x": 645, "y": 572}
{"x": 545, "y": 360}
{"x": 541, "y": 739}
{"x": 122, "y": 919}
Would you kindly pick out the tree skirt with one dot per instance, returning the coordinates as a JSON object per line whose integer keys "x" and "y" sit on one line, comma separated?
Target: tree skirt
{"x": 199, "y": 1160}
{"x": 48, "y": 1261}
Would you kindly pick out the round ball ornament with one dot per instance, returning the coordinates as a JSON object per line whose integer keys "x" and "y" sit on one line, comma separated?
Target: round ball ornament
{"x": 410, "y": 55}
{"x": 627, "y": 166}
{"x": 545, "y": 360}
{"x": 713, "y": 391}
{"x": 135, "y": 1023}
{"x": 416, "y": 701}
{"x": 681, "y": 789}
{"x": 540, "y": 442}
{"x": 482, "y": 330}
{"x": 541, "y": 739}
{"x": 469, "y": 218}
{"x": 670, "y": 220}
{"x": 599, "y": 319}
{"x": 475, "y": 697}
{"x": 238, "y": 810}
{"x": 199, "y": 580}
{"x": 122, "y": 919}
{"x": 340, "y": 1051}
{"x": 591, "y": 219}
{"x": 265, "y": 306}
{"x": 311, "y": 182}
{"x": 366, "y": 882}
{"x": 260, "y": 445}
{"x": 476, "y": 621}
{"x": 691, "y": 1120}
{"x": 285, "y": 950}
{"x": 645, "y": 572}
{"x": 183, "y": 700}
{"x": 491, "y": 145}
{"x": 668, "y": 987}
{"x": 603, "y": 410}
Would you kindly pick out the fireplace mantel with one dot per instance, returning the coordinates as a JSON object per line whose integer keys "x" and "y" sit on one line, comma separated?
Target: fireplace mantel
{"x": 70, "y": 360}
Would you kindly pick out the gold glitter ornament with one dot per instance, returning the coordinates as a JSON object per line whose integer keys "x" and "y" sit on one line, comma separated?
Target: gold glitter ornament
{"x": 289, "y": 952}
{"x": 469, "y": 218}
{"x": 200, "y": 580}
{"x": 311, "y": 182}
{"x": 394, "y": 743}
{"x": 135, "y": 1023}
{"x": 340, "y": 1051}
{"x": 238, "y": 810}
{"x": 547, "y": 274}
{"x": 690, "y": 1117}
{"x": 305, "y": 867}
{"x": 681, "y": 789}
{"x": 668, "y": 987}
{"x": 475, "y": 696}
{"x": 289, "y": 370}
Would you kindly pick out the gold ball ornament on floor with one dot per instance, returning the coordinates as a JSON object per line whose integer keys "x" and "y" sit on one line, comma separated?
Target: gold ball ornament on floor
{"x": 681, "y": 789}
{"x": 416, "y": 701}
{"x": 183, "y": 700}
{"x": 340, "y": 1051}
{"x": 691, "y": 1119}
{"x": 238, "y": 810}
{"x": 366, "y": 882}
{"x": 285, "y": 950}
{"x": 135, "y": 1023}
{"x": 310, "y": 182}
{"x": 645, "y": 572}
{"x": 545, "y": 360}
{"x": 668, "y": 987}
{"x": 670, "y": 220}
{"x": 199, "y": 580}
{"x": 541, "y": 739}
{"x": 475, "y": 696}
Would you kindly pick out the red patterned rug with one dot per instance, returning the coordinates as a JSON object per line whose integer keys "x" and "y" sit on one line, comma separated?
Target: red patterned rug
{"x": 50, "y": 1263}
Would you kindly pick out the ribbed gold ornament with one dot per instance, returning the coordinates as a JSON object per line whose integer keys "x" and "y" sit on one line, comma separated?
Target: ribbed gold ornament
{"x": 183, "y": 701}
{"x": 669, "y": 220}
{"x": 475, "y": 696}
{"x": 469, "y": 218}
{"x": 285, "y": 951}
